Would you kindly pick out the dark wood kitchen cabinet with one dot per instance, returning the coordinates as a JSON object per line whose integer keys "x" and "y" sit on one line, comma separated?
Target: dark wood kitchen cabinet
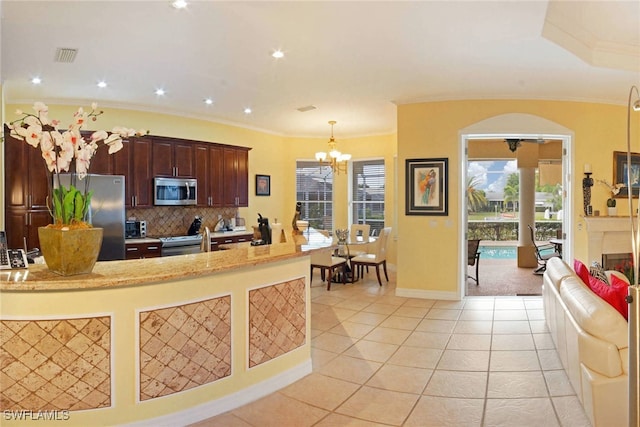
{"x": 134, "y": 162}
{"x": 26, "y": 192}
{"x": 235, "y": 175}
{"x": 173, "y": 158}
{"x": 223, "y": 175}
{"x": 136, "y": 250}
{"x": 208, "y": 161}
{"x": 226, "y": 240}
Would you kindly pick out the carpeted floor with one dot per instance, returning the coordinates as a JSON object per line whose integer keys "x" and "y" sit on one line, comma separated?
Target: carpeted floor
{"x": 503, "y": 277}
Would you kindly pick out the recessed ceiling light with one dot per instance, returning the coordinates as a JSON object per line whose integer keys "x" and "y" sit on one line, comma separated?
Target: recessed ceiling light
{"x": 102, "y": 84}
{"x": 278, "y": 54}
{"x": 179, "y": 4}
{"x": 160, "y": 92}
{"x": 208, "y": 101}
{"x": 247, "y": 110}
{"x": 36, "y": 80}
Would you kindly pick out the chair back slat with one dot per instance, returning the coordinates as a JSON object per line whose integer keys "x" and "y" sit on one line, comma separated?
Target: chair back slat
{"x": 473, "y": 250}
{"x": 380, "y": 249}
{"x": 363, "y": 229}
{"x": 321, "y": 257}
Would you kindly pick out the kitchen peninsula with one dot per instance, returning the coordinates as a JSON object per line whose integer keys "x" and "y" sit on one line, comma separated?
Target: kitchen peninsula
{"x": 158, "y": 341}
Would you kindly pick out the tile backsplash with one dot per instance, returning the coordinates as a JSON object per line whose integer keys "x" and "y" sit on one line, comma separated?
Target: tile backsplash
{"x": 175, "y": 220}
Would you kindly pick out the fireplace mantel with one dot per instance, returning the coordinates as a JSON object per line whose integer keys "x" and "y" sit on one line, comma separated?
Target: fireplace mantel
{"x": 607, "y": 235}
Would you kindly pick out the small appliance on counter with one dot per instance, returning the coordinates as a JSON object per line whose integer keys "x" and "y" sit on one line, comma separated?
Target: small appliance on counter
{"x": 194, "y": 228}
{"x": 134, "y": 229}
{"x": 265, "y": 232}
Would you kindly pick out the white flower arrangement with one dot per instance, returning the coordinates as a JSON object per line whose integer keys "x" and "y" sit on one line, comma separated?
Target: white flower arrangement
{"x": 614, "y": 189}
{"x": 67, "y": 151}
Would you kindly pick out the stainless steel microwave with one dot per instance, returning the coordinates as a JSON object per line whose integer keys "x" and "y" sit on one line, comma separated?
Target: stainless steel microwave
{"x": 174, "y": 191}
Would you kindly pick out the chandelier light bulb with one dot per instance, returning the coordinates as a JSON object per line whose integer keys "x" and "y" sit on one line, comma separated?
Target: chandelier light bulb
{"x": 336, "y": 160}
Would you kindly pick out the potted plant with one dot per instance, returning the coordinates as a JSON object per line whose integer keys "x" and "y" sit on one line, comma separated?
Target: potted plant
{"x": 614, "y": 189}
{"x": 70, "y": 245}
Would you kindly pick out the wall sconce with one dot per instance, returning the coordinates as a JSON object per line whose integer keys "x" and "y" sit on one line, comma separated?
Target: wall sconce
{"x": 587, "y": 183}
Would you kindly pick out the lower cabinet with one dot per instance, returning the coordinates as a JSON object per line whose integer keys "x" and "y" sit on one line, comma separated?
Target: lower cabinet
{"x": 217, "y": 241}
{"x": 143, "y": 250}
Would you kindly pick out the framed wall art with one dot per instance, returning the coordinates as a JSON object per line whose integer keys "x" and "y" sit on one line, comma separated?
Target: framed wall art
{"x": 263, "y": 185}
{"x": 427, "y": 186}
{"x": 620, "y": 173}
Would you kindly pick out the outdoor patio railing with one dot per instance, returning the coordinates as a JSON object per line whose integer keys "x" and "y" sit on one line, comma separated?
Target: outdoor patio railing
{"x": 508, "y": 230}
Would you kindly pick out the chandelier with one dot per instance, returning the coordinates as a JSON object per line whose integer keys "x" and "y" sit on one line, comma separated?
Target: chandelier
{"x": 335, "y": 159}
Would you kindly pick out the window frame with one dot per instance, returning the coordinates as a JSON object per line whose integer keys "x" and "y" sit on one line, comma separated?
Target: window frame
{"x": 377, "y": 224}
{"x": 307, "y": 205}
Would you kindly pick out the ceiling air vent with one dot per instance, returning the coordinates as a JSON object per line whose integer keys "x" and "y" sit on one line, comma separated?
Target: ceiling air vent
{"x": 66, "y": 54}
{"x": 307, "y": 108}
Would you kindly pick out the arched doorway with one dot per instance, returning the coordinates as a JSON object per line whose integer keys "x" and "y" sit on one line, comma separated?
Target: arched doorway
{"x": 516, "y": 126}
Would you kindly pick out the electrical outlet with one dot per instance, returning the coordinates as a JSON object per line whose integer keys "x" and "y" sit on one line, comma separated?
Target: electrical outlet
{"x": 579, "y": 226}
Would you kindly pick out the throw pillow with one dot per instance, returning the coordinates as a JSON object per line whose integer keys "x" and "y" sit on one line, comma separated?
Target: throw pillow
{"x": 614, "y": 294}
{"x": 582, "y": 271}
{"x": 597, "y": 271}
{"x": 622, "y": 287}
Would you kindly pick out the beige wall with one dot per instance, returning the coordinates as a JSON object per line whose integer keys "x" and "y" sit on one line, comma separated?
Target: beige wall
{"x": 270, "y": 154}
{"x": 428, "y": 249}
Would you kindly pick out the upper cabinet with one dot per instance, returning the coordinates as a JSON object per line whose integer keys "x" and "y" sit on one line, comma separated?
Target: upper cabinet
{"x": 221, "y": 170}
{"x": 236, "y": 176}
{"x": 223, "y": 175}
{"x": 26, "y": 192}
{"x": 25, "y": 175}
{"x": 173, "y": 158}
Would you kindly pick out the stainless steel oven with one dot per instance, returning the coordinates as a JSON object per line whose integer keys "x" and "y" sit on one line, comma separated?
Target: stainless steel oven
{"x": 174, "y": 191}
{"x": 181, "y": 245}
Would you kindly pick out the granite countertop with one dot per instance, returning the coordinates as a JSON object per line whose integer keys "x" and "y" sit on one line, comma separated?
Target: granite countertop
{"x": 110, "y": 274}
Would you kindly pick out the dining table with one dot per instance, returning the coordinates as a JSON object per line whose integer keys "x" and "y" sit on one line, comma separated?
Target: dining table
{"x": 557, "y": 244}
{"x": 345, "y": 249}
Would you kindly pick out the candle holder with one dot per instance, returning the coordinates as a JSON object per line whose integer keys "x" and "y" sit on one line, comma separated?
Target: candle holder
{"x": 587, "y": 183}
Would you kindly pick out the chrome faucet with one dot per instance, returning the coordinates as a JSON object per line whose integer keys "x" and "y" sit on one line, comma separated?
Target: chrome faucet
{"x": 205, "y": 245}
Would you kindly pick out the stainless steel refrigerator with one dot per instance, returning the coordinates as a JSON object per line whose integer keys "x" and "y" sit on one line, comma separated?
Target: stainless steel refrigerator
{"x": 107, "y": 211}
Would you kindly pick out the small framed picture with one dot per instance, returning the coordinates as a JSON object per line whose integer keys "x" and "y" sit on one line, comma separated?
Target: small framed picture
{"x": 427, "y": 187}
{"x": 620, "y": 173}
{"x": 263, "y": 185}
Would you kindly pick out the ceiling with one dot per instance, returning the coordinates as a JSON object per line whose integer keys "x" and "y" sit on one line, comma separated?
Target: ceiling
{"x": 354, "y": 61}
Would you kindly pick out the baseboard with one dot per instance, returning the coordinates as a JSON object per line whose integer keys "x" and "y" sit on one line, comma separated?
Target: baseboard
{"x": 427, "y": 294}
{"x": 242, "y": 397}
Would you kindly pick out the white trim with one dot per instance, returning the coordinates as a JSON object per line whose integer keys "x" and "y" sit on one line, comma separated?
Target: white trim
{"x": 427, "y": 294}
{"x": 514, "y": 125}
{"x": 227, "y": 403}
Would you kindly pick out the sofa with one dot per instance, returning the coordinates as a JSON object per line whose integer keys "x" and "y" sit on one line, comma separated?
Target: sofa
{"x": 591, "y": 338}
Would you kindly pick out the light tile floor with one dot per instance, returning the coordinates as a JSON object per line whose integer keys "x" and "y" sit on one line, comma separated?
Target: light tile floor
{"x": 383, "y": 360}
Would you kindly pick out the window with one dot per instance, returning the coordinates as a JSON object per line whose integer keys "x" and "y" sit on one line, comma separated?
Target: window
{"x": 314, "y": 189}
{"x": 367, "y": 190}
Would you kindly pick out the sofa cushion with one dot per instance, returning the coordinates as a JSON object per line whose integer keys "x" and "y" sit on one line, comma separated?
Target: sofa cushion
{"x": 620, "y": 290}
{"x": 556, "y": 271}
{"x": 597, "y": 271}
{"x": 593, "y": 314}
{"x": 620, "y": 276}
{"x": 582, "y": 271}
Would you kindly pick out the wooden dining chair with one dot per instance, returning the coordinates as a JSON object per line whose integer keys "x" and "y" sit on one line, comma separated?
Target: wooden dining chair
{"x": 363, "y": 231}
{"x": 376, "y": 257}
{"x": 327, "y": 263}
